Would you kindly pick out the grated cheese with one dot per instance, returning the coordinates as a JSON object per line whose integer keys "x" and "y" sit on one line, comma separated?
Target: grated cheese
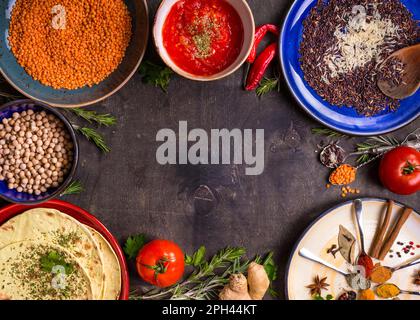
{"x": 359, "y": 42}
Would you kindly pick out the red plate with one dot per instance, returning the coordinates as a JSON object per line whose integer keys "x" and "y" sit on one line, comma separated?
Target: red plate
{"x": 84, "y": 217}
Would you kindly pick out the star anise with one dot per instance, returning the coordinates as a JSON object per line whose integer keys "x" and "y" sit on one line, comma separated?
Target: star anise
{"x": 318, "y": 285}
{"x": 417, "y": 279}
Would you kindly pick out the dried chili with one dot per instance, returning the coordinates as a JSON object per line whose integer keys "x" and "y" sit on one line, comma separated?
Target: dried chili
{"x": 260, "y": 33}
{"x": 260, "y": 66}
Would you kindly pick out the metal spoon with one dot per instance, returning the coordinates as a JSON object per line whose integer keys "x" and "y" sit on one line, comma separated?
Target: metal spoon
{"x": 403, "y": 266}
{"x": 410, "y": 57}
{"x": 358, "y": 206}
{"x": 305, "y": 253}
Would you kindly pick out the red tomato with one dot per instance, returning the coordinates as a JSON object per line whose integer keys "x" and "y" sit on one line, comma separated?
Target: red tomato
{"x": 161, "y": 263}
{"x": 399, "y": 170}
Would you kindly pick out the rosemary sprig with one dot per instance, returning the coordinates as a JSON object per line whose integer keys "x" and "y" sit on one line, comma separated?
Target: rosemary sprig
{"x": 267, "y": 85}
{"x": 327, "y": 132}
{"x": 208, "y": 277}
{"x": 93, "y": 116}
{"x": 374, "y": 143}
{"x": 9, "y": 96}
{"x": 94, "y": 136}
{"x": 75, "y": 187}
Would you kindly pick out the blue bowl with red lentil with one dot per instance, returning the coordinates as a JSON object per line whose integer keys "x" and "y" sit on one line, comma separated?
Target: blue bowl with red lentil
{"x": 91, "y": 93}
{"x": 51, "y": 175}
{"x": 340, "y": 118}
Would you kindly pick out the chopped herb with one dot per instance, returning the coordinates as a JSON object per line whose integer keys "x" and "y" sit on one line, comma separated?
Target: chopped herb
{"x": 159, "y": 76}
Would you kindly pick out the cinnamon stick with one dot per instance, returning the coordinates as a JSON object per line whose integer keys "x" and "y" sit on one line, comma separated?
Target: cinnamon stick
{"x": 377, "y": 243}
{"x": 394, "y": 234}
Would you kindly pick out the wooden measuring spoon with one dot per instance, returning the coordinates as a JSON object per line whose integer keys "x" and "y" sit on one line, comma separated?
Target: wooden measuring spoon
{"x": 410, "y": 57}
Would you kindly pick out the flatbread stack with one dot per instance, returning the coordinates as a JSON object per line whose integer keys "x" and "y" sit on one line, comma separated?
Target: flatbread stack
{"x": 48, "y": 255}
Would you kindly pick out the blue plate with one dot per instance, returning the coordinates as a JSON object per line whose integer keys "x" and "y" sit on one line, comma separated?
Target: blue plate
{"x": 342, "y": 119}
{"x": 24, "y": 83}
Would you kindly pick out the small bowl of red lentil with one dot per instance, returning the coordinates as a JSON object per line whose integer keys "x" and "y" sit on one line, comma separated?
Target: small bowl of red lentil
{"x": 71, "y": 54}
{"x": 38, "y": 152}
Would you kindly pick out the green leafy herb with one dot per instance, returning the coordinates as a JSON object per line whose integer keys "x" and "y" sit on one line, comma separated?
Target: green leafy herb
{"x": 267, "y": 85}
{"x": 52, "y": 259}
{"x": 272, "y": 271}
{"x": 159, "y": 76}
{"x": 133, "y": 245}
{"x": 208, "y": 276}
{"x": 327, "y": 132}
{"x": 75, "y": 187}
{"x": 104, "y": 119}
{"x": 94, "y": 136}
{"x": 197, "y": 258}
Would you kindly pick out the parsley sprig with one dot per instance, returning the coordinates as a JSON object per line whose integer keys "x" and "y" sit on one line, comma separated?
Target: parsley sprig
{"x": 133, "y": 245}
{"x": 156, "y": 75}
{"x": 52, "y": 259}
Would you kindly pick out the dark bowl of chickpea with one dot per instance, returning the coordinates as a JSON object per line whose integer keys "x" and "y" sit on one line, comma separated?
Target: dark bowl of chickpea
{"x": 39, "y": 152}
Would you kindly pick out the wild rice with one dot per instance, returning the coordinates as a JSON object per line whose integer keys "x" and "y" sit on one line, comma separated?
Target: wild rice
{"x": 344, "y": 75}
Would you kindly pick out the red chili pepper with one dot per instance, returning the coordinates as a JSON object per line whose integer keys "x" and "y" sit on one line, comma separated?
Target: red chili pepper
{"x": 260, "y": 66}
{"x": 260, "y": 33}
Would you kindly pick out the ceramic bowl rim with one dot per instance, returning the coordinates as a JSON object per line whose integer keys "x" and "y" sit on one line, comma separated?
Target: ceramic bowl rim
{"x": 74, "y": 139}
{"x": 90, "y": 102}
{"x": 220, "y": 75}
{"x": 302, "y": 104}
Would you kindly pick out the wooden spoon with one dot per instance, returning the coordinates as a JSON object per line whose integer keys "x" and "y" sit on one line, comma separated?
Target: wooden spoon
{"x": 410, "y": 57}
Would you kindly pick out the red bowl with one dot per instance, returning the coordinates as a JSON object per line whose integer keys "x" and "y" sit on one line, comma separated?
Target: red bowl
{"x": 84, "y": 217}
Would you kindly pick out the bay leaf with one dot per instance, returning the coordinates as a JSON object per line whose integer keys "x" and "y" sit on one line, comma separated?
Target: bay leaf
{"x": 345, "y": 242}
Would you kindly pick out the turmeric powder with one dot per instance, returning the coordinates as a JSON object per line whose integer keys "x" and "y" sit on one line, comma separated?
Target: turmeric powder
{"x": 367, "y": 294}
{"x": 380, "y": 274}
{"x": 388, "y": 290}
{"x": 82, "y": 52}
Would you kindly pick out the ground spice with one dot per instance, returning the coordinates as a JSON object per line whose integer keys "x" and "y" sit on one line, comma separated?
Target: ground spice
{"x": 88, "y": 49}
{"x": 387, "y": 290}
{"x": 367, "y": 294}
{"x": 380, "y": 274}
{"x": 343, "y": 175}
{"x": 346, "y": 75}
{"x": 366, "y": 262}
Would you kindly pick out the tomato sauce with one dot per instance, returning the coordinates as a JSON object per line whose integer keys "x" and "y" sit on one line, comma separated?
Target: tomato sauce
{"x": 203, "y": 37}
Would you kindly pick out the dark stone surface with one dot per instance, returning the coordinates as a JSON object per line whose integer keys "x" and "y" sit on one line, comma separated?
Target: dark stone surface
{"x": 131, "y": 193}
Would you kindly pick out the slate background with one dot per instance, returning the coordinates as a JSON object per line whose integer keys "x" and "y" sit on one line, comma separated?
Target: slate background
{"x": 131, "y": 193}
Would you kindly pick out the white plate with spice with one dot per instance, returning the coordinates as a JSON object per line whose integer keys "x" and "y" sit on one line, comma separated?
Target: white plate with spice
{"x": 322, "y": 234}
